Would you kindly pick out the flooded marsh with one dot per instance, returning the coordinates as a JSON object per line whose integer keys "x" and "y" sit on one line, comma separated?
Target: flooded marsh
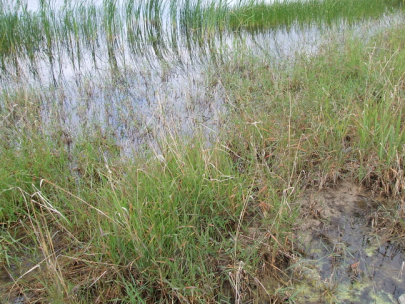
{"x": 121, "y": 67}
{"x": 170, "y": 151}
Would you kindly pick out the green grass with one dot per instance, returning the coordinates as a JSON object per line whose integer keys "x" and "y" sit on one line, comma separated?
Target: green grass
{"x": 157, "y": 227}
{"x": 73, "y": 31}
{"x": 343, "y": 109}
{"x": 187, "y": 220}
{"x": 170, "y": 224}
{"x": 283, "y": 14}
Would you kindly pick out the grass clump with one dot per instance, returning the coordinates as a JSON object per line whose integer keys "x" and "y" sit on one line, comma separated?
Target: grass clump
{"x": 160, "y": 227}
{"x": 189, "y": 221}
{"x": 341, "y": 110}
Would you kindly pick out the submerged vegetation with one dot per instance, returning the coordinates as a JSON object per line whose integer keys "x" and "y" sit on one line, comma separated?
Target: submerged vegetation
{"x": 117, "y": 31}
{"x": 320, "y": 12}
{"x": 204, "y": 215}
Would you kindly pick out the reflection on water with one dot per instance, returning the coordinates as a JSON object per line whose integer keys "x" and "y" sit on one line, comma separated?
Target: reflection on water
{"x": 136, "y": 71}
{"x": 34, "y": 5}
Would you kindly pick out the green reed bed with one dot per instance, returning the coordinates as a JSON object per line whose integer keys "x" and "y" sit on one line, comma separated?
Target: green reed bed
{"x": 189, "y": 221}
{"x": 107, "y": 31}
{"x": 18, "y": 35}
{"x": 254, "y": 15}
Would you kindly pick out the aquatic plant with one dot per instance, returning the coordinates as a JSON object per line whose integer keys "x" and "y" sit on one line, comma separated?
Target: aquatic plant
{"x": 185, "y": 215}
{"x": 255, "y": 15}
{"x": 116, "y": 28}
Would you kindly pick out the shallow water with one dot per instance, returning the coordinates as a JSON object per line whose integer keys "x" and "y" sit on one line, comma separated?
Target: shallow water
{"x": 140, "y": 91}
{"x": 346, "y": 261}
{"x": 34, "y": 5}
{"x": 149, "y": 77}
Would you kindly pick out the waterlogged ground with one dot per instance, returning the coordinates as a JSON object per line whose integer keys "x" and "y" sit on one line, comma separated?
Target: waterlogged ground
{"x": 145, "y": 97}
{"x": 344, "y": 254}
{"x": 346, "y": 260}
{"x": 137, "y": 86}
{"x": 138, "y": 95}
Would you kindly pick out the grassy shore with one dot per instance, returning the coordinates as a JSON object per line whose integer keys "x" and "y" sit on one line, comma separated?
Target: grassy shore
{"x": 188, "y": 221}
{"x": 108, "y": 31}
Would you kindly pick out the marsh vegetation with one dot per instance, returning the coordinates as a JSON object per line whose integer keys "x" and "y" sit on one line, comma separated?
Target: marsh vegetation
{"x": 158, "y": 151}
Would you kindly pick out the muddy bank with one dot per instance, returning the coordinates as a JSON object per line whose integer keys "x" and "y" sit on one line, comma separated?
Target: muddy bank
{"x": 346, "y": 257}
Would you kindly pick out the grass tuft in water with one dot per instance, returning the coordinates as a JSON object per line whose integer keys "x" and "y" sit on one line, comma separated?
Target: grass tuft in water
{"x": 187, "y": 220}
{"x": 255, "y": 15}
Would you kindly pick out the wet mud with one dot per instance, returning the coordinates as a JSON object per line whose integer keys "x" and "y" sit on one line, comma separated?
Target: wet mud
{"x": 345, "y": 259}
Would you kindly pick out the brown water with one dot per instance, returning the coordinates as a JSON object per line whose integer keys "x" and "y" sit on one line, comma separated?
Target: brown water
{"x": 346, "y": 261}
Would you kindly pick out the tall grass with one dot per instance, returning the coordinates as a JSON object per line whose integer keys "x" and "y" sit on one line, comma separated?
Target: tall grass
{"x": 253, "y": 15}
{"x": 162, "y": 27}
{"x": 168, "y": 227}
{"x": 186, "y": 220}
{"x": 342, "y": 110}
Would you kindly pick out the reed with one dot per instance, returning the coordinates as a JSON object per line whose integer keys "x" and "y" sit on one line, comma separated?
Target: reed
{"x": 255, "y": 15}
{"x": 182, "y": 218}
{"x": 108, "y": 30}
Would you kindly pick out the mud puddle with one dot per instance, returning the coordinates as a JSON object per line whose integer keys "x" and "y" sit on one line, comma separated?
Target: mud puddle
{"x": 345, "y": 260}
{"x": 20, "y": 269}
